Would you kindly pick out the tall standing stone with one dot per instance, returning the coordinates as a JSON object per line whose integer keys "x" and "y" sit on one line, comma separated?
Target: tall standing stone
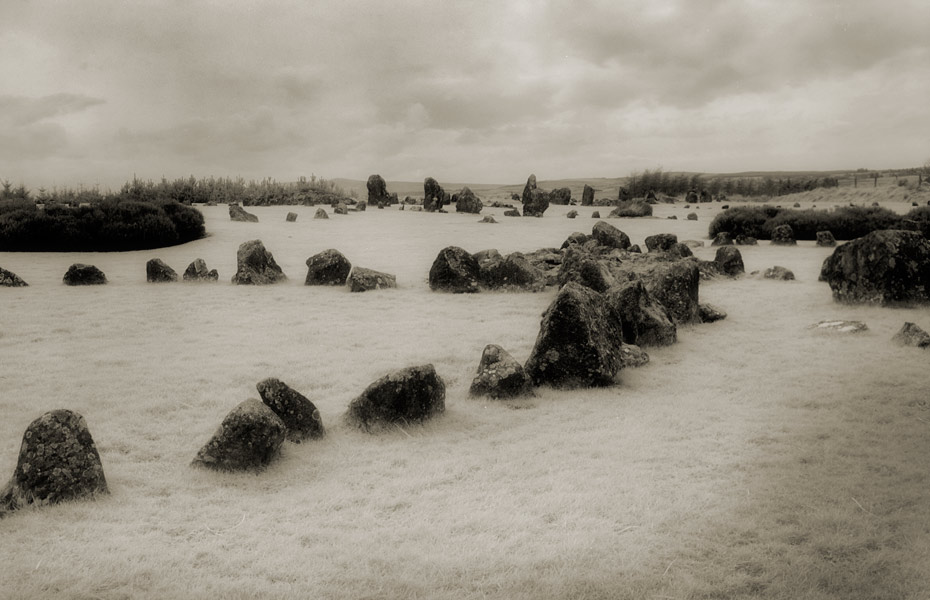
{"x": 587, "y": 196}
{"x": 377, "y": 190}
{"x": 256, "y": 265}
{"x": 433, "y": 195}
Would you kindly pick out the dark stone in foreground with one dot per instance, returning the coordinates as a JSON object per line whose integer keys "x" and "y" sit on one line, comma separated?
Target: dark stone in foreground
{"x": 237, "y": 213}
{"x": 58, "y": 461}
{"x": 587, "y": 195}
{"x": 197, "y": 271}
{"x": 454, "y": 270}
{"x": 729, "y": 261}
{"x": 299, "y": 415}
{"x": 608, "y": 235}
{"x": 886, "y": 267}
{"x": 643, "y": 321}
{"x": 661, "y": 242}
{"x": 911, "y": 335}
{"x": 364, "y": 280}
{"x": 676, "y": 287}
{"x": 79, "y": 274}
{"x": 783, "y": 235}
{"x": 408, "y": 395}
{"x": 328, "y": 267}
{"x": 578, "y": 343}
{"x": 10, "y": 279}
{"x": 433, "y": 195}
{"x": 467, "y": 202}
{"x": 156, "y": 271}
{"x": 256, "y": 266}
{"x": 249, "y": 438}
{"x": 377, "y": 190}
{"x": 512, "y": 272}
{"x": 500, "y": 375}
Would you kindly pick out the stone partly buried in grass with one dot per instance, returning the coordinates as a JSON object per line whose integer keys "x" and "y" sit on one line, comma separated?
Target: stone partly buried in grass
{"x": 197, "y": 271}
{"x": 887, "y": 267}
{"x": 10, "y": 279}
{"x": 298, "y": 413}
{"x": 79, "y": 274}
{"x": 454, "y": 270}
{"x": 643, "y": 320}
{"x": 156, "y": 271}
{"x": 500, "y": 375}
{"x": 58, "y": 461}
{"x": 402, "y": 397}
{"x": 578, "y": 343}
{"x": 912, "y": 335}
{"x": 249, "y": 438}
{"x": 364, "y": 280}
{"x": 256, "y": 265}
{"x": 237, "y": 213}
{"x": 329, "y": 267}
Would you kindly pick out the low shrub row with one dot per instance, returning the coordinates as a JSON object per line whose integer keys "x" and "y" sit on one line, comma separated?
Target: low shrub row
{"x": 846, "y": 223}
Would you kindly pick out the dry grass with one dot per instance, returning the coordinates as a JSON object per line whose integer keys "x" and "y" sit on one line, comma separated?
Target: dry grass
{"x": 755, "y": 458}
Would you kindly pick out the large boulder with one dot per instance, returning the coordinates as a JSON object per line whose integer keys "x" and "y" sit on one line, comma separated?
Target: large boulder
{"x": 11, "y": 279}
{"x": 329, "y": 267}
{"x": 535, "y": 201}
{"x": 912, "y": 335}
{"x": 513, "y": 272}
{"x": 377, "y": 190}
{"x": 643, "y": 320}
{"x": 783, "y": 235}
{"x": 197, "y": 271}
{"x": 79, "y": 274}
{"x": 454, "y": 270}
{"x": 661, "y": 242}
{"x": 249, "y": 438}
{"x": 500, "y": 375}
{"x": 675, "y": 285}
{"x": 561, "y": 196}
{"x": 609, "y": 236}
{"x": 578, "y": 343}
{"x": 632, "y": 208}
{"x": 237, "y": 213}
{"x": 886, "y": 267}
{"x": 364, "y": 280}
{"x": 587, "y": 196}
{"x": 256, "y": 266}
{"x": 581, "y": 267}
{"x": 433, "y": 195}
{"x": 402, "y": 397}
{"x": 58, "y": 461}
{"x": 296, "y": 411}
{"x": 729, "y": 261}
{"x": 467, "y": 202}
{"x": 156, "y": 271}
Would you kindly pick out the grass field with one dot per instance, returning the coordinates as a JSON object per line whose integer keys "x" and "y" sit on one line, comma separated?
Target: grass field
{"x": 756, "y": 458}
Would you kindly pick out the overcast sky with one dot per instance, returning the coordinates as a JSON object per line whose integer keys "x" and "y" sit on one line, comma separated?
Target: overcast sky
{"x": 96, "y": 91}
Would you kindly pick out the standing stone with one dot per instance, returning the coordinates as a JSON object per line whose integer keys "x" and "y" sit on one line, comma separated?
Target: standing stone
{"x": 408, "y": 395}
{"x": 826, "y": 239}
{"x": 256, "y": 266}
{"x": 454, "y": 270}
{"x": 320, "y": 214}
{"x": 643, "y": 320}
{"x": 249, "y": 438}
{"x": 467, "y": 202}
{"x": 587, "y": 196}
{"x": 79, "y": 274}
{"x": 237, "y": 213}
{"x": 377, "y": 190}
{"x": 500, "y": 375}
{"x": 676, "y": 287}
{"x": 156, "y": 271}
{"x": 433, "y": 195}
{"x": 729, "y": 261}
{"x": 578, "y": 343}
{"x": 329, "y": 267}
{"x": 58, "y": 461}
{"x": 783, "y": 235}
{"x": 535, "y": 201}
{"x": 365, "y": 280}
{"x": 197, "y": 271}
{"x": 291, "y": 217}
{"x": 10, "y": 279}
{"x": 596, "y": 215}
{"x": 561, "y": 196}
{"x": 912, "y": 335}
{"x": 299, "y": 415}
{"x": 886, "y": 267}
{"x": 609, "y": 236}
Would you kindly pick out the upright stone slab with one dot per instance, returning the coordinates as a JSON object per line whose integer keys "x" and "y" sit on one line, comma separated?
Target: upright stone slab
{"x": 587, "y": 196}
{"x": 256, "y": 265}
{"x": 433, "y": 195}
{"x": 783, "y": 235}
{"x": 197, "y": 271}
{"x": 406, "y": 396}
{"x": 643, "y": 320}
{"x": 377, "y": 190}
{"x": 729, "y": 261}
{"x": 298, "y": 413}
{"x": 156, "y": 271}
{"x": 608, "y": 235}
{"x": 499, "y": 375}
{"x": 454, "y": 270}
{"x": 467, "y": 202}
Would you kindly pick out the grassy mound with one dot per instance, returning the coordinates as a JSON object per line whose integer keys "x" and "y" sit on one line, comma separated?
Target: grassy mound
{"x": 846, "y": 223}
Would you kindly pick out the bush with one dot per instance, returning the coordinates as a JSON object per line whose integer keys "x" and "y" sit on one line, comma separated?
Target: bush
{"x": 846, "y": 223}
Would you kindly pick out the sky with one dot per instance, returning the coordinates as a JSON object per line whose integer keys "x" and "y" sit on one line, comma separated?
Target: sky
{"x": 96, "y": 92}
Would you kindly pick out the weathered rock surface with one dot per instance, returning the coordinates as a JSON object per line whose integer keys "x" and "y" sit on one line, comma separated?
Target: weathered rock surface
{"x": 661, "y": 242}
{"x": 454, "y": 270}
{"x": 340, "y": 209}
{"x": 587, "y": 196}
{"x": 561, "y": 196}
{"x": 58, "y": 461}
{"x": 675, "y": 285}
{"x": 249, "y": 438}
{"x": 364, "y": 280}
{"x": 237, "y": 213}
{"x": 156, "y": 271}
{"x": 11, "y": 279}
{"x": 433, "y": 195}
{"x": 632, "y": 356}
{"x": 609, "y": 236}
{"x": 299, "y": 415}
{"x": 632, "y": 208}
{"x": 745, "y": 240}
{"x": 291, "y": 217}
{"x": 722, "y": 239}
{"x": 402, "y": 397}
{"x": 535, "y": 201}
{"x": 780, "y": 273}
{"x": 578, "y": 343}
{"x": 79, "y": 274}
{"x": 513, "y": 273}
{"x": 197, "y": 271}
{"x": 320, "y": 214}
{"x": 886, "y": 267}
{"x": 783, "y": 235}
{"x": 643, "y": 320}
{"x": 729, "y": 261}
{"x": 826, "y": 239}
{"x": 329, "y": 267}
{"x": 256, "y": 265}
{"x": 596, "y": 214}
{"x": 912, "y": 335}
{"x": 708, "y": 313}
{"x": 467, "y": 202}
{"x": 377, "y": 190}
{"x": 583, "y": 268}
{"x": 500, "y": 375}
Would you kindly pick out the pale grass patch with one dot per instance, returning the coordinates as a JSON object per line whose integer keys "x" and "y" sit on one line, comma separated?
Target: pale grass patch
{"x": 755, "y": 458}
